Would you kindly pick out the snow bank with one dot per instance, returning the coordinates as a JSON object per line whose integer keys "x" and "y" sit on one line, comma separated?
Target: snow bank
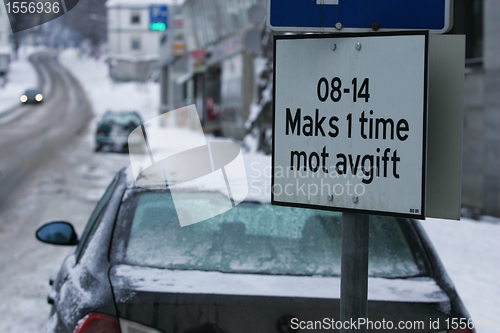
{"x": 105, "y": 94}
{"x": 470, "y": 252}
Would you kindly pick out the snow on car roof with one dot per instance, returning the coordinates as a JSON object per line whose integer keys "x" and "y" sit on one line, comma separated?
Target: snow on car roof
{"x": 191, "y": 161}
{"x": 258, "y": 179}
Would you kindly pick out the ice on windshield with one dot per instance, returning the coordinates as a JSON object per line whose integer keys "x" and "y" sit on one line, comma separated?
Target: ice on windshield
{"x": 255, "y": 238}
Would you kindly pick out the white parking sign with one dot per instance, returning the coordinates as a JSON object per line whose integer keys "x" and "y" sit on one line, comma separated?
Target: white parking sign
{"x": 350, "y": 122}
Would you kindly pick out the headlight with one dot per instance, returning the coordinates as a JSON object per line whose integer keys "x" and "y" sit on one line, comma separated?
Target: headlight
{"x": 38, "y": 97}
{"x": 24, "y": 98}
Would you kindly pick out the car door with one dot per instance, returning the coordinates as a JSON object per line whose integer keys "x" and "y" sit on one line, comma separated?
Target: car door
{"x": 71, "y": 267}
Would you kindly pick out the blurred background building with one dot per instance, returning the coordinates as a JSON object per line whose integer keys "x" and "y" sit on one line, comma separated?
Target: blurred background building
{"x": 5, "y": 45}
{"x": 134, "y": 30}
{"x": 479, "y": 20}
{"x": 173, "y": 64}
{"x": 222, "y": 39}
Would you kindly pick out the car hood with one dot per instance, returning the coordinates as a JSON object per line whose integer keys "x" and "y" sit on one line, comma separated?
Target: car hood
{"x": 175, "y": 300}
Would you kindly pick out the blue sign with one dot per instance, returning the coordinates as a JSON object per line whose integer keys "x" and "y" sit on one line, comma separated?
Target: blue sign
{"x": 359, "y": 15}
{"x": 158, "y": 17}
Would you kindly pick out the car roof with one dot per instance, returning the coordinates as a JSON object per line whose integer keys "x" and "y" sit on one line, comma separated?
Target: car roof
{"x": 125, "y": 112}
{"x": 32, "y": 91}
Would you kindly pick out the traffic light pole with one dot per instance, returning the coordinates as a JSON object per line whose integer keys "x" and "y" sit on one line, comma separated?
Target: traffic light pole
{"x": 354, "y": 272}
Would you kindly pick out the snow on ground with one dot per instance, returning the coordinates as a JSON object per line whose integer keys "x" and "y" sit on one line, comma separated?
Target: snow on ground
{"x": 21, "y": 76}
{"x": 470, "y": 250}
{"x": 105, "y": 94}
{"x": 66, "y": 188}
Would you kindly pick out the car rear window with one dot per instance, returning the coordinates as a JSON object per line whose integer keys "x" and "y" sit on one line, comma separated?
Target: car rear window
{"x": 253, "y": 238}
{"x": 122, "y": 118}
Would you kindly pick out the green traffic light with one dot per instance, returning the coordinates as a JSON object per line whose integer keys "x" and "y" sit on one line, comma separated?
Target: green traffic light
{"x": 158, "y": 26}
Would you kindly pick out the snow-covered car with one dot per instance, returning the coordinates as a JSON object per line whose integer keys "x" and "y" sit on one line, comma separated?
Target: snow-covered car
{"x": 114, "y": 128}
{"x": 255, "y": 268}
{"x": 31, "y": 96}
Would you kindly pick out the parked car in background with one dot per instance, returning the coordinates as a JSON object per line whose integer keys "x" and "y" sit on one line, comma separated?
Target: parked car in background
{"x": 32, "y": 96}
{"x": 255, "y": 268}
{"x": 114, "y": 128}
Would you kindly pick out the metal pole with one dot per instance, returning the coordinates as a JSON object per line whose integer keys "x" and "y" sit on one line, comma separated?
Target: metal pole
{"x": 354, "y": 271}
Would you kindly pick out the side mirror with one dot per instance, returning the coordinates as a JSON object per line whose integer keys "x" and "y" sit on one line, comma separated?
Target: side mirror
{"x": 57, "y": 233}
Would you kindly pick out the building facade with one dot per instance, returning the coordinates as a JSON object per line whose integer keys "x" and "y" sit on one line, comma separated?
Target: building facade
{"x": 134, "y": 37}
{"x": 221, "y": 38}
{"x": 173, "y": 64}
{"x": 5, "y": 45}
{"x": 479, "y": 19}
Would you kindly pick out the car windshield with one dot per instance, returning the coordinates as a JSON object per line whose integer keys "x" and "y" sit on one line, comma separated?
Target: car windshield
{"x": 32, "y": 91}
{"x": 122, "y": 118}
{"x": 252, "y": 238}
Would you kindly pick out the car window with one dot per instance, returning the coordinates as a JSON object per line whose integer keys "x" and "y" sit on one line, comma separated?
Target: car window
{"x": 94, "y": 219}
{"x": 254, "y": 238}
{"x": 122, "y": 118}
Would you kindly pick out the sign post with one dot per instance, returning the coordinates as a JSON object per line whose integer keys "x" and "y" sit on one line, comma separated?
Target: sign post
{"x": 350, "y": 119}
{"x": 350, "y": 135}
{"x": 354, "y": 270}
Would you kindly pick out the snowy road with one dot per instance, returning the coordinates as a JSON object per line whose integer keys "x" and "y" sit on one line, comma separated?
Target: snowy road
{"x": 31, "y": 139}
{"x": 29, "y": 134}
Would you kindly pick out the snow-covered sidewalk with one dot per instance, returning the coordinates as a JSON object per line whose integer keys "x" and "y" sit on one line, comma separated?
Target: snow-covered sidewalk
{"x": 470, "y": 252}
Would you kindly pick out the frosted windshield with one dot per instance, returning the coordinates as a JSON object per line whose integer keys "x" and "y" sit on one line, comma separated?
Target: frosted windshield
{"x": 255, "y": 238}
